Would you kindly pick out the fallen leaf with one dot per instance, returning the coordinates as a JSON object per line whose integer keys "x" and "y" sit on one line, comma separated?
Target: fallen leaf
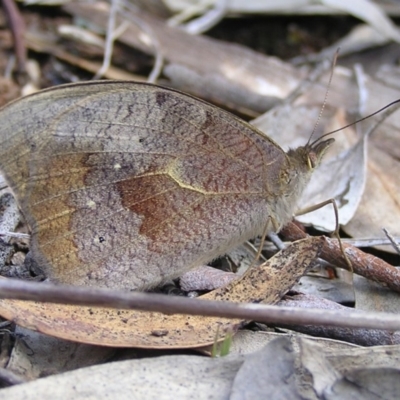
{"x": 109, "y": 327}
{"x": 247, "y": 341}
{"x": 371, "y": 296}
{"x": 380, "y": 204}
{"x": 268, "y": 373}
{"x": 366, "y": 384}
{"x": 166, "y": 378}
{"x": 314, "y": 360}
{"x": 36, "y": 355}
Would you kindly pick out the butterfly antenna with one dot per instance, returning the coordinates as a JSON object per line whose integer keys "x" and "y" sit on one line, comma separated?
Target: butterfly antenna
{"x": 334, "y": 61}
{"x": 359, "y": 120}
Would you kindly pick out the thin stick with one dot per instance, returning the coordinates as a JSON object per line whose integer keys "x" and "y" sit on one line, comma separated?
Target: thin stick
{"x": 158, "y": 54}
{"x": 17, "y": 27}
{"x": 17, "y": 235}
{"x": 363, "y": 264}
{"x": 45, "y": 292}
{"x": 110, "y": 37}
{"x": 395, "y": 245}
{"x": 209, "y": 19}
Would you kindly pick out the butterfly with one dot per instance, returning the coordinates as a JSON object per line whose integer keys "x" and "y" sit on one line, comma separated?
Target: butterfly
{"x": 127, "y": 185}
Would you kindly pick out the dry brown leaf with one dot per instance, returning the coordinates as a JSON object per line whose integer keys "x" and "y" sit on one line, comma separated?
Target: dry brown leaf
{"x": 109, "y": 327}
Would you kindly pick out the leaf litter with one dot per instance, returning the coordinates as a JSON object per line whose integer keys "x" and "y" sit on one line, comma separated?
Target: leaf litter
{"x": 366, "y": 213}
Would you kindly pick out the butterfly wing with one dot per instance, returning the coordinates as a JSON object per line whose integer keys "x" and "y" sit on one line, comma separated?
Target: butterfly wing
{"x": 127, "y": 185}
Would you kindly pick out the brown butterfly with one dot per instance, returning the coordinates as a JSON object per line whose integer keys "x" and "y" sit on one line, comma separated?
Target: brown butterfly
{"x": 127, "y": 185}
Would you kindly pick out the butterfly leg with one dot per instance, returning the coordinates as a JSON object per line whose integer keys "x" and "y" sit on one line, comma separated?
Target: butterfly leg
{"x": 336, "y": 231}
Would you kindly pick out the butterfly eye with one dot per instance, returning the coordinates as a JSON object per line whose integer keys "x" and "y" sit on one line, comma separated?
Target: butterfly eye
{"x": 286, "y": 177}
{"x": 312, "y": 160}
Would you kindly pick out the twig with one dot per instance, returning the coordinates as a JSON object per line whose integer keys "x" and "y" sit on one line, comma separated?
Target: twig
{"x": 356, "y": 242}
{"x": 150, "y": 36}
{"x": 362, "y": 337}
{"x": 363, "y": 264}
{"x": 395, "y": 245}
{"x": 17, "y": 27}
{"x": 208, "y": 20}
{"x": 276, "y": 240}
{"x": 110, "y": 37}
{"x": 17, "y": 235}
{"x": 362, "y": 90}
{"x": 45, "y": 292}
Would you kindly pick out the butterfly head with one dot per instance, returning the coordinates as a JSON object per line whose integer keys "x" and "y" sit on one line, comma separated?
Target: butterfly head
{"x": 303, "y": 161}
